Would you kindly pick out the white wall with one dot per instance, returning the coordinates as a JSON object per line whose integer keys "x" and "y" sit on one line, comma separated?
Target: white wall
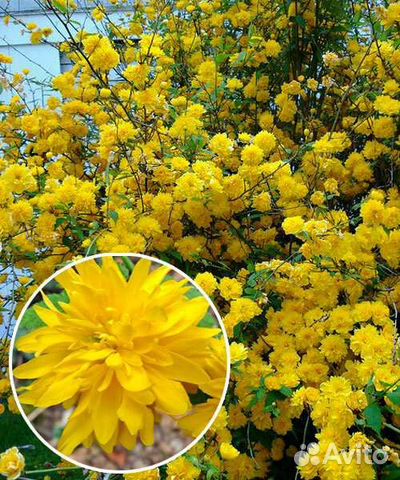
{"x": 42, "y": 60}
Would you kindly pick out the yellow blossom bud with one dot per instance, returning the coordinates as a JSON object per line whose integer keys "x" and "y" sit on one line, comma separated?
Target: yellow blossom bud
{"x": 228, "y": 451}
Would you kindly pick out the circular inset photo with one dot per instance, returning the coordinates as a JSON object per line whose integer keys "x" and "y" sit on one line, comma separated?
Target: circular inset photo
{"x": 119, "y": 363}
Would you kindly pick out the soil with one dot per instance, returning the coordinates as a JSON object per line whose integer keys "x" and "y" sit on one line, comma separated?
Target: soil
{"x": 169, "y": 440}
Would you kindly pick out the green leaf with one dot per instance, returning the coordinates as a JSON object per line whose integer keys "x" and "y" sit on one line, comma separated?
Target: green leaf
{"x": 300, "y": 21}
{"x": 260, "y": 395}
{"x": 208, "y": 321}
{"x": 198, "y": 397}
{"x": 212, "y": 472}
{"x": 390, "y": 472}
{"x": 252, "y": 30}
{"x": 113, "y": 215}
{"x": 60, "y": 7}
{"x": 273, "y": 409}
{"x": 255, "y": 41}
{"x": 241, "y": 58}
{"x": 251, "y": 267}
{"x": 60, "y": 221}
{"x": 92, "y": 249}
{"x": 288, "y": 392}
{"x": 192, "y": 293}
{"x": 394, "y": 397}
{"x": 79, "y": 233}
{"x": 31, "y": 320}
{"x": 124, "y": 270}
{"x": 58, "y": 298}
{"x": 370, "y": 391}
{"x": 128, "y": 263}
{"x": 95, "y": 227}
{"x": 360, "y": 422}
{"x": 220, "y": 58}
{"x": 194, "y": 461}
{"x": 373, "y": 417}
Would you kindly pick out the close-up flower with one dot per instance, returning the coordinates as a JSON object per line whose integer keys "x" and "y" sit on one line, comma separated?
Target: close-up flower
{"x": 253, "y": 145}
{"x": 119, "y": 352}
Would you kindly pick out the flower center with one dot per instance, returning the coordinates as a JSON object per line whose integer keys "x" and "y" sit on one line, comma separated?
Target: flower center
{"x": 106, "y": 339}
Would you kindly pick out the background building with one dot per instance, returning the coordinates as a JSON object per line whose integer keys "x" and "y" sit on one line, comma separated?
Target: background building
{"x": 43, "y": 60}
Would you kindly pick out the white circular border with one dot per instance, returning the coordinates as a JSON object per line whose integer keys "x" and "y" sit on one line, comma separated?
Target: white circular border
{"x": 169, "y": 459}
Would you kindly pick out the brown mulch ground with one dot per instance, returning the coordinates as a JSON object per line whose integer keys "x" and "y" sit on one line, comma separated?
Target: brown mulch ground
{"x": 169, "y": 440}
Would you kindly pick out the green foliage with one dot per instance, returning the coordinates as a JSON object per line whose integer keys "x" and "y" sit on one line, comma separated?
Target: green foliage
{"x": 373, "y": 417}
{"x": 31, "y": 320}
{"x": 210, "y": 471}
{"x": 394, "y": 397}
{"x": 37, "y": 455}
{"x": 269, "y": 398}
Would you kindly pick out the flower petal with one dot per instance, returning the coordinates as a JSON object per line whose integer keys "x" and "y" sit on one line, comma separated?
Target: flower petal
{"x": 39, "y": 366}
{"x": 78, "y": 428}
{"x": 184, "y": 370}
{"x": 171, "y": 397}
{"x": 104, "y": 412}
{"x": 132, "y": 414}
{"x": 136, "y": 381}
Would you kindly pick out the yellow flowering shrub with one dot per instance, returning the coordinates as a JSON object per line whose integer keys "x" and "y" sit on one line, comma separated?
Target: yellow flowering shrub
{"x": 253, "y": 144}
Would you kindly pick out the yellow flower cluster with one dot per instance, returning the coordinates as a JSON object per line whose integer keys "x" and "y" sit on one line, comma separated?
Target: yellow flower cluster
{"x": 255, "y": 145}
